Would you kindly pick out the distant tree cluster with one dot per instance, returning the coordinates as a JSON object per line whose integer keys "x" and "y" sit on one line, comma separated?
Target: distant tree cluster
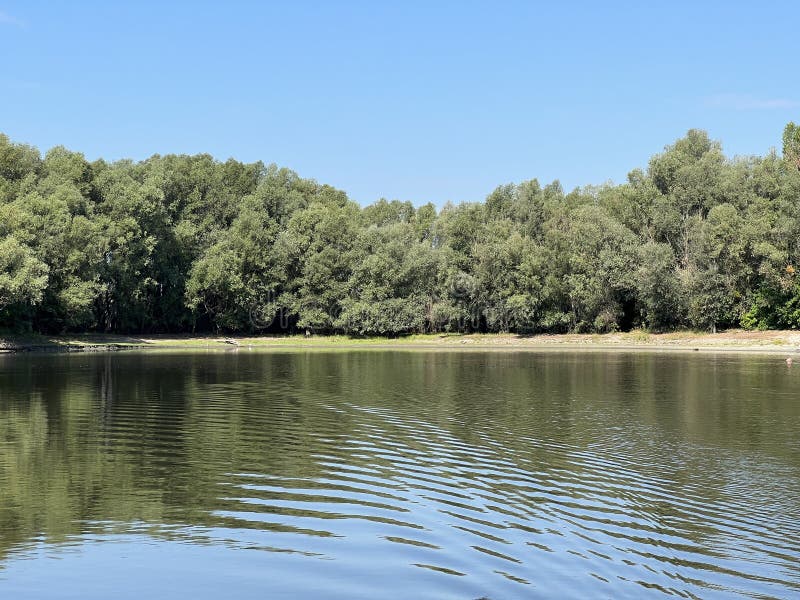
{"x": 187, "y": 243}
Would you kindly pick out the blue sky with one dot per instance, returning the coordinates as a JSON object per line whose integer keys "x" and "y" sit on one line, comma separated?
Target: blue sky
{"x": 418, "y": 101}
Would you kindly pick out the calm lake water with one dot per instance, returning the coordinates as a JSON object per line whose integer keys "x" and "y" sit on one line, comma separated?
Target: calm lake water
{"x": 399, "y": 474}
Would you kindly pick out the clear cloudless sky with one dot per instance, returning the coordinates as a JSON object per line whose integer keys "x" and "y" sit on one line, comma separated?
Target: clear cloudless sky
{"x": 420, "y": 101}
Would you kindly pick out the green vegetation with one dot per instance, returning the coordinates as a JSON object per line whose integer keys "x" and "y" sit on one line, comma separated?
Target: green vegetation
{"x": 189, "y": 244}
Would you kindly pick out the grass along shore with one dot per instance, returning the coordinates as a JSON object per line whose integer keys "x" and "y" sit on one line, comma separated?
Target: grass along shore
{"x": 726, "y": 341}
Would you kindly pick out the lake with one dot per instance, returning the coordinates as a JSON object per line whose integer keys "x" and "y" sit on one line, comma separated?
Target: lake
{"x": 399, "y": 474}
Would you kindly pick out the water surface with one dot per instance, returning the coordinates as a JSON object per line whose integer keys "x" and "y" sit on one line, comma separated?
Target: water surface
{"x": 366, "y": 474}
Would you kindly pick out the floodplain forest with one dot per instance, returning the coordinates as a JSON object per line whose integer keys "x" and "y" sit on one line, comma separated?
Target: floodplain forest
{"x": 182, "y": 243}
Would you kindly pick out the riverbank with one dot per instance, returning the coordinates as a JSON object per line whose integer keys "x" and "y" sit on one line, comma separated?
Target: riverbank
{"x": 728, "y": 341}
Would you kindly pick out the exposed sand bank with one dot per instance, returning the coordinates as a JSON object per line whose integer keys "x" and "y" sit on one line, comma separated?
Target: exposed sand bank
{"x": 786, "y": 342}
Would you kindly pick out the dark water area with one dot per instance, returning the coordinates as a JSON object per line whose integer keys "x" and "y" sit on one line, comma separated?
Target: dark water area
{"x": 399, "y": 474}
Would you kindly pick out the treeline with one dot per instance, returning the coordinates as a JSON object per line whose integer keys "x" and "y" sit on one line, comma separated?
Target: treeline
{"x": 187, "y": 243}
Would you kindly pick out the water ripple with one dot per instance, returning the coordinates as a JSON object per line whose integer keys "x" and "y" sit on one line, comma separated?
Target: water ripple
{"x": 516, "y": 478}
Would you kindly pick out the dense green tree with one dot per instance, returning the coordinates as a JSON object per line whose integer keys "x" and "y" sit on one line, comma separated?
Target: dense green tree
{"x": 591, "y": 258}
{"x": 791, "y": 145}
{"x": 23, "y": 277}
{"x": 319, "y": 246}
{"x": 189, "y": 243}
{"x": 658, "y": 287}
{"x": 393, "y": 282}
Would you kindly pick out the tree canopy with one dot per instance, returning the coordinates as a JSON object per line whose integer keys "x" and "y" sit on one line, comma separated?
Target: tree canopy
{"x": 188, "y": 243}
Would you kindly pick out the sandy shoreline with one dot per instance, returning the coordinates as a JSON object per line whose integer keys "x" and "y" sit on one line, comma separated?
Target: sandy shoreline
{"x": 738, "y": 341}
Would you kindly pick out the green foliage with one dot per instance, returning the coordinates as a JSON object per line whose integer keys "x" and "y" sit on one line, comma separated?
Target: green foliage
{"x": 23, "y": 277}
{"x": 791, "y": 145}
{"x": 180, "y": 243}
{"x": 658, "y": 287}
{"x": 775, "y": 308}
